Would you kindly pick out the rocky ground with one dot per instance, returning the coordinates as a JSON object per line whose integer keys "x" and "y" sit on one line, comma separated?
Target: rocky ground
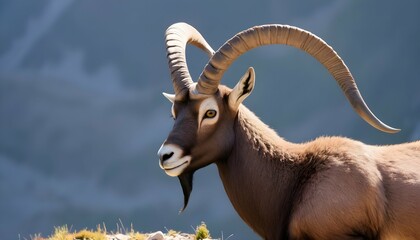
{"x": 63, "y": 233}
{"x": 154, "y": 236}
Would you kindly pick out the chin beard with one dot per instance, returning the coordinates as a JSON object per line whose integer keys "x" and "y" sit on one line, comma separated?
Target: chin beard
{"x": 186, "y": 180}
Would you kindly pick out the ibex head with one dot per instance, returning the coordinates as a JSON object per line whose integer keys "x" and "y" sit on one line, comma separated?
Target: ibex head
{"x": 205, "y": 112}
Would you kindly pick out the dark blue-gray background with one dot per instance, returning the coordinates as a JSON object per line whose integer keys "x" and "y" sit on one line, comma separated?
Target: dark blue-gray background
{"x": 82, "y": 115}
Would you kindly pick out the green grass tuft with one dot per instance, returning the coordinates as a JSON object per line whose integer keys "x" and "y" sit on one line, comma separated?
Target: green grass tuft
{"x": 201, "y": 232}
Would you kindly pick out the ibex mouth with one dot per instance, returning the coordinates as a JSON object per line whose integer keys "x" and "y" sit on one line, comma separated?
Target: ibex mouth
{"x": 175, "y": 167}
{"x": 168, "y": 169}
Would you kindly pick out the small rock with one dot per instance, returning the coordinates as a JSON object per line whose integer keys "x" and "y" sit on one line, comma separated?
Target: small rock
{"x": 118, "y": 237}
{"x": 156, "y": 236}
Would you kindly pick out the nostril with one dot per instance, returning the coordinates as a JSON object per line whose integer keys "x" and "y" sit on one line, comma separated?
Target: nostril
{"x": 166, "y": 156}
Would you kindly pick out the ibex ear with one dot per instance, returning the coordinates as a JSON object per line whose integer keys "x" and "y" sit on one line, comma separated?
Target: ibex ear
{"x": 242, "y": 89}
{"x": 170, "y": 97}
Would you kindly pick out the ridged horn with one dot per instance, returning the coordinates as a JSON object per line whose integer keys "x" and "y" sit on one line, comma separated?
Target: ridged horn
{"x": 176, "y": 37}
{"x": 288, "y": 35}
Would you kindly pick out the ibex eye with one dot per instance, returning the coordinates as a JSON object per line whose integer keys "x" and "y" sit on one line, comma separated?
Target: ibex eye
{"x": 210, "y": 113}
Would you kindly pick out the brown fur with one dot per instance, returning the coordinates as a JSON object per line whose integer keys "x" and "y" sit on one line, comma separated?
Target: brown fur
{"x": 330, "y": 188}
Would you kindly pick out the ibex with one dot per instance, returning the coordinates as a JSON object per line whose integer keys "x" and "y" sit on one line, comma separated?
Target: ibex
{"x": 329, "y": 188}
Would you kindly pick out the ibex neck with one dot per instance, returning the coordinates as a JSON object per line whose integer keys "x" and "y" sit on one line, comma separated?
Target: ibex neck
{"x": 259, "y": 161}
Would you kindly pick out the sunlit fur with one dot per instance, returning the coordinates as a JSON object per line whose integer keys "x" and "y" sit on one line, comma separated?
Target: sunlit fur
{"x": 330, "y": 188}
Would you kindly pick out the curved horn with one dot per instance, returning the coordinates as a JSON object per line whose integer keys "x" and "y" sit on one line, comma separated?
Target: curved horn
{"x": 176, "y": 37}
{"x": 298, "y": 38}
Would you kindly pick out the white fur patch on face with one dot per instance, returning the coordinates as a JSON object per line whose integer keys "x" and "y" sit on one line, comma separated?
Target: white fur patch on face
{"x": 206, "y": 105}
{"x": 173, "y": 164}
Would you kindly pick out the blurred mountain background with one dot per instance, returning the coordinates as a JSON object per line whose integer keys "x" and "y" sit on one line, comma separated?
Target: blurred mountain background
{"x": 82, "y": 115}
